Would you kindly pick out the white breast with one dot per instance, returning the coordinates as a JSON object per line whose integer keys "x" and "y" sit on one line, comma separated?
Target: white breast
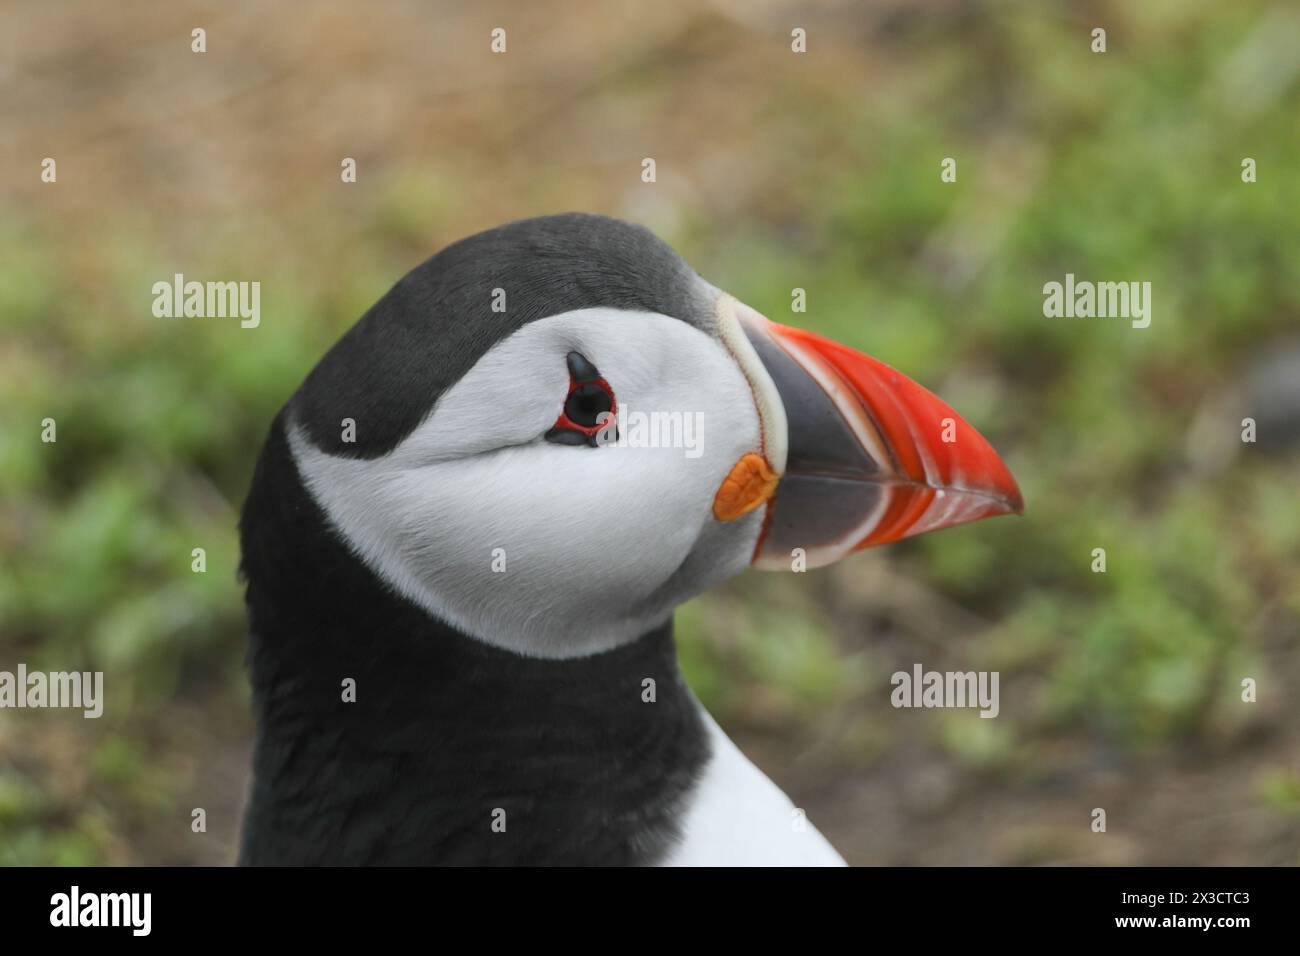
{"x": 738, "y": 817}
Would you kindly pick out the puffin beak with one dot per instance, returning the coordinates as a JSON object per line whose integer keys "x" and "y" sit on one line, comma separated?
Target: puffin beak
{"x": 870, "y": 456}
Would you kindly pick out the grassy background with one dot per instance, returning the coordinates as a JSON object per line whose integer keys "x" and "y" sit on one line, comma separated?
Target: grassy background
{"x": 775, "y": 170}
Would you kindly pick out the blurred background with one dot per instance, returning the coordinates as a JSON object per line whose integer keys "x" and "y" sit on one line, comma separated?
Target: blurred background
{"x": 776, "y": 170}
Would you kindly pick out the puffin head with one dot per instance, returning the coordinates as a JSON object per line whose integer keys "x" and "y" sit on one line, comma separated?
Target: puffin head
{"x": 552, "y": 433}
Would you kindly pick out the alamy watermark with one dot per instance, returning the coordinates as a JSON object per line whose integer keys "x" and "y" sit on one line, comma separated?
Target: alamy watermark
{"x": 922, "y": 688}
{"x": 53, "y": 689}
{"x": 1086, "y": 300}
{"x": 637, "y": 429}
{"x": 208, "y": 300}
{"x": 74, "y": 908}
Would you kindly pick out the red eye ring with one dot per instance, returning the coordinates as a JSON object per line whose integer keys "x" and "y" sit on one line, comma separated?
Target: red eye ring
{"x": 596, "y": 398}
{"x": 589, "y": 398}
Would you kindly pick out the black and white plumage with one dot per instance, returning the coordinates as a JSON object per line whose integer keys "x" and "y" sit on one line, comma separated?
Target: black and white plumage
{"x": 482, "y": 690}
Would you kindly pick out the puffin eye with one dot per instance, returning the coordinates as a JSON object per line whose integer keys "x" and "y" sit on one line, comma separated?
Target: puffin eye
{"x": 586, "y": 402}
{"x": 589, "y": 400}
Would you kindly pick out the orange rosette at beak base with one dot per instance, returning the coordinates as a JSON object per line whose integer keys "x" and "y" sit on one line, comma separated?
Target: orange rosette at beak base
{"x": 750, "y": 483}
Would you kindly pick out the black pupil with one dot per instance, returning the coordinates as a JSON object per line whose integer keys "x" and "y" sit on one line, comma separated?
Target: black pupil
{"x": 586, "y": 402}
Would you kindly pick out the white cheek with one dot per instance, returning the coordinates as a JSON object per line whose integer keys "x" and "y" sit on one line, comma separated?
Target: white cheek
{"x": 591, "y": 539}
{"x": 576, "y": 535}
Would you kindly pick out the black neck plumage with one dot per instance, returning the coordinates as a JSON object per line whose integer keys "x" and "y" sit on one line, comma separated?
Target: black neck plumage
{"x": 453, "y": 751}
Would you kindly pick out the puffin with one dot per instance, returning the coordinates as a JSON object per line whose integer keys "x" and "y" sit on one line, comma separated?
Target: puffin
{"x": 460, "y": 569}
